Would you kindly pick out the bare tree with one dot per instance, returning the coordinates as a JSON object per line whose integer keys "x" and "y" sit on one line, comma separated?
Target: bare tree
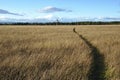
{"x": 57, "y": 21}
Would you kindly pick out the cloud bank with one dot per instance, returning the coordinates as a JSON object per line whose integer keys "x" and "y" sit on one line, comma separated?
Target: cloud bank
{"x": 7, "y": 12}
{"x": 52, "y": 18}
{"x": 51, "y": 9}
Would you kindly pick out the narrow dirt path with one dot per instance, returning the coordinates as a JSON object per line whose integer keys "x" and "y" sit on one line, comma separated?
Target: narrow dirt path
{"x": 97, "y": 69}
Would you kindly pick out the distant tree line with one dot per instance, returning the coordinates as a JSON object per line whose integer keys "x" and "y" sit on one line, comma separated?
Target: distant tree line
{"x": 64, "y": 23}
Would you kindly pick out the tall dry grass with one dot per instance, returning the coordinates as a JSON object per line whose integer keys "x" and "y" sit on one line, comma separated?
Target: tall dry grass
{"x": 56, "y": 53}
{"x": 107, "y": 40}
{"x": 42, "y": 53}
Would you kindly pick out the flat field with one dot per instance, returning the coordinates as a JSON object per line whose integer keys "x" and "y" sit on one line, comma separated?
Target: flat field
{"x": 57, "y": 53}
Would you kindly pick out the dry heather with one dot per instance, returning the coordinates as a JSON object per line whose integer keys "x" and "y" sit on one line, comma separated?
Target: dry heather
{"x": 42, "y": 53}
{"x": 56, "y": 53}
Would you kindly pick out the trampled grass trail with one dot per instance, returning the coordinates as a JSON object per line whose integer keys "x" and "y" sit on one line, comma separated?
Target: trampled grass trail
{"x": 97, "y": 69}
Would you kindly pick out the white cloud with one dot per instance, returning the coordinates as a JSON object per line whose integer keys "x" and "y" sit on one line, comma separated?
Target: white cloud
{"x": 46, "y": 18}
{"x": 51, "y": 9}
{"x": 2, "y": 17}
{"x": 7, "y": 12}
{"x": 49, "y": 16}
{"x": 52, "y": 18}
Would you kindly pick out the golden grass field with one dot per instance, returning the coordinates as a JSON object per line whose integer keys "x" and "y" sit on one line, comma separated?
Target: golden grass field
{"x": 57, "y": 53}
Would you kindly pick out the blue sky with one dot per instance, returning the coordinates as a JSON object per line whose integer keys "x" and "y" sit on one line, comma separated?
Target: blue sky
{"x": 64, "y": 10}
